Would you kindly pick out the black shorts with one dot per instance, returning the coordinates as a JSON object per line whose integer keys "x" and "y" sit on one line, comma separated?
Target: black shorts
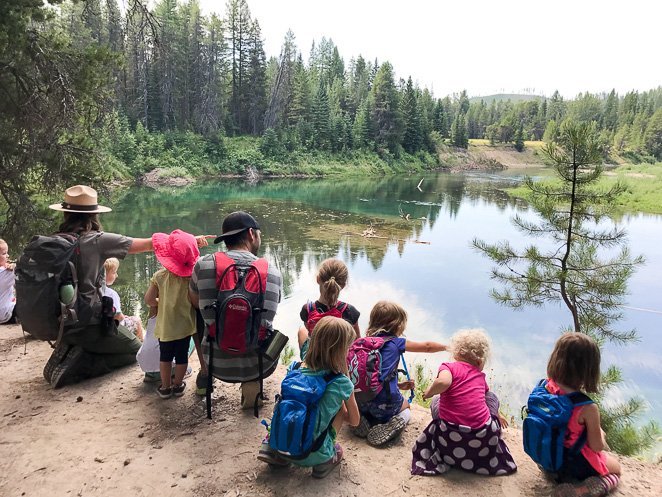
{"x": 578, "y": 467}
{"x": 176, "y": 349}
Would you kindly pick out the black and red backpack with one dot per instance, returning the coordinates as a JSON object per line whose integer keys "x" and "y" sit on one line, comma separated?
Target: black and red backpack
{"x": 237, "y": 328}
{"x": 314, "y": 314}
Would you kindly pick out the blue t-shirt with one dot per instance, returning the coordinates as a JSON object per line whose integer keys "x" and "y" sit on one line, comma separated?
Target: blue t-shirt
{"x": 390, "y": 359}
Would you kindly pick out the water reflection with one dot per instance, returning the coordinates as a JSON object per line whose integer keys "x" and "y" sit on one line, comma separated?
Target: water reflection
{"x": 443, "y": 283}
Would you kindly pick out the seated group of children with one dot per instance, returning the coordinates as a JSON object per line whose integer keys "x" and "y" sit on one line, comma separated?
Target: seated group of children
{"x": 337, "y": 374}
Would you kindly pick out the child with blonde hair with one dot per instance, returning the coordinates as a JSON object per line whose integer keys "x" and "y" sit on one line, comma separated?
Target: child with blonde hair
{"x": 132, "y": 323}
{"x": 315, "y": 420}
{"x": 384, "y": 416}
{"x": 332, "y": 276}
{"x": 573, "y": 367}
{"x": 465, "y": 431}
{"x": 7, "y": 281}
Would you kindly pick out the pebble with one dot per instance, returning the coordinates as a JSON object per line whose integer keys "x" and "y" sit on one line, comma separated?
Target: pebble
{"x": 79, "y": 399}
{"x": 127, "y": 462}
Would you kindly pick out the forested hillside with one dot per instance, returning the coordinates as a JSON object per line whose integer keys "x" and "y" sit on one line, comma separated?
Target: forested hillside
{"x": 98, "y": 90}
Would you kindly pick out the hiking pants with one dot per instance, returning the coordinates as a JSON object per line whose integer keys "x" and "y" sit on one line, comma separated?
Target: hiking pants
{"x": 104, "y": 351}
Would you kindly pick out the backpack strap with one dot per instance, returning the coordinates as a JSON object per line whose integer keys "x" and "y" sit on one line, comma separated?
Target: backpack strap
{"x": 341, "y": 306}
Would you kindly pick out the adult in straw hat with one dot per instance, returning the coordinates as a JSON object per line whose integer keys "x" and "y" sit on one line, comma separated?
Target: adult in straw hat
{"x": 89, "y": 349}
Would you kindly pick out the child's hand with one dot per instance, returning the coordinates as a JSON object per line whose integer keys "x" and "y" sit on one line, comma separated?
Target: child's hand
{"x": 503, "y": 421}
{"x": 407, "y": 385}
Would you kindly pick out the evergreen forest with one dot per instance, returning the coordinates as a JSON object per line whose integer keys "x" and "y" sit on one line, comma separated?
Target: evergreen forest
{"x": 97, "y": 90}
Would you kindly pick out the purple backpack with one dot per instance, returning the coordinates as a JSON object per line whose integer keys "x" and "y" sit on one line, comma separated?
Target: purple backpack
{"x": 364, "y": 360}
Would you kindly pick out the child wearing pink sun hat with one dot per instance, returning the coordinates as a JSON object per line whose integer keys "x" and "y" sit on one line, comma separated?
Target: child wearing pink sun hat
{"x": 175, "y": 321}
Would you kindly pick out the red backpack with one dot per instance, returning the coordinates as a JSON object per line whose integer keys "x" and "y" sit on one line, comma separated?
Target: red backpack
{"x": 314, "y": 314}
{"x": 239, "y": 305}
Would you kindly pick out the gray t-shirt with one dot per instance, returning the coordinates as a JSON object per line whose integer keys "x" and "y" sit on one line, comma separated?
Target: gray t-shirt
{"x": 95, "y": 248}
{"x": 227, "y": 367}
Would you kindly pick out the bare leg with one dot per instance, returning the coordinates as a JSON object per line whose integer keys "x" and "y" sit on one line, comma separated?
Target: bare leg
{"x": 201, "y": 357}
{"x": 180, "y": 371}
{"x": 612, "y": 464}
{"x": 166, "y": 372}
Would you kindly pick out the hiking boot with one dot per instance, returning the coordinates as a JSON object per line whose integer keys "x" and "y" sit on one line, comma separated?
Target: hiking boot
{"x": 590, "y": 487}
{"x": 271, "y": 457}
{"x": 362, "y": 429}
{"x": 178, "y": 390}
{"x": 164, "y": 393}
{"x": 322, "y": 470}
{"x": 201, "y": 384}
{"x": 380, "y": 434}
{"x": 152, "y": 377}
{"x": 56, "y": 358}
{"x": 65, "y": 372}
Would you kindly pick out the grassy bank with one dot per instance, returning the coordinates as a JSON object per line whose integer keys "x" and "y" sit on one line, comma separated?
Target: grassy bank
{"x": 643, "y": 182}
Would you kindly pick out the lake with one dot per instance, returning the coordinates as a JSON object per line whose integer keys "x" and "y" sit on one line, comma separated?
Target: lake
{"x": 426, "y": 262}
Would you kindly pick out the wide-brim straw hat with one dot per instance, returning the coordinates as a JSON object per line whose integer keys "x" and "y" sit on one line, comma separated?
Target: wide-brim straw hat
{"x": 178, "y": 252}
{"x": 82, "y": 199}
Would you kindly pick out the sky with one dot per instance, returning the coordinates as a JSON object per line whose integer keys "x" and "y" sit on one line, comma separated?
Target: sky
{"x": 485, "y": 47}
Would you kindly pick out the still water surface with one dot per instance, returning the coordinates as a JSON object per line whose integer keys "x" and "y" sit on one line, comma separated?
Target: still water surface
{"x": 425, "y": 263}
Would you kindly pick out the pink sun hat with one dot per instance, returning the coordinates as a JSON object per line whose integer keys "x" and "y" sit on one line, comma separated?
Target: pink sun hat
{"x": 178, "y": 251}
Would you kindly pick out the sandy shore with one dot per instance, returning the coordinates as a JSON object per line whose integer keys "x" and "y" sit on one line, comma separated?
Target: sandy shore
{"x": 113, "y": 436}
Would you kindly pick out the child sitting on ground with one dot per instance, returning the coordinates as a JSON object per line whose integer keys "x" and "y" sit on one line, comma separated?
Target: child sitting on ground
{"x": 326, "y": 359}
{"x": 7, "y": 280}
{"x": 465, "y": 431}
{"x": 332, "y": 277}
{"x": 385, "y": 416}
{"x": 132, "y": 323}
{"x": 574, "y": 366}
{"x": 175, "y": 320}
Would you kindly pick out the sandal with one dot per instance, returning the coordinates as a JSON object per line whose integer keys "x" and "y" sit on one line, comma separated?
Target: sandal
{"x": 322, "y": 470}
{"x": 164, "y": 393}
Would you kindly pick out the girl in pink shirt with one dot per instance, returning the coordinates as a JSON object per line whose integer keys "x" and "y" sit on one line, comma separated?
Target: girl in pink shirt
{"x": 465, "y": 431}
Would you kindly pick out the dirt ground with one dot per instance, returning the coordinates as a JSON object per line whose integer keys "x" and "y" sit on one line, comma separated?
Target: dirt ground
{"x": 112, "y": 436}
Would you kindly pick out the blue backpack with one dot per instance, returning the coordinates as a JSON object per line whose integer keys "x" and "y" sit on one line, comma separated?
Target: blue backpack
{"x": 296, "y": 414}
{"x": 545, "y": 427}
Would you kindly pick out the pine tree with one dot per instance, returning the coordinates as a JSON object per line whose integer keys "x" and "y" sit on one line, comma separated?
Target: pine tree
{"x": 386, "y": 115}
{"x": 519, "y": 138}
{"x": 577, "y": 271}
{"x": 459, "y": 136}
{"x": 653, "y": 135}
{"x": 413, "y": 138}
{"x": 321, "y": 118}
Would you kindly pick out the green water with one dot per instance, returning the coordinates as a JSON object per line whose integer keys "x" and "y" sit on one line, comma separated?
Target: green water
{"x": 422, "y": 259}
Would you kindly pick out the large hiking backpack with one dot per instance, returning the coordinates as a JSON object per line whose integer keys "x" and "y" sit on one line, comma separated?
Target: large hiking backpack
{"x": 239, "y": 305}
{"x": 47, "y": 264}
{"x": 314, "y": 314}
{"x": 545, "y": 427}
{"x": 296, "y": 414}
{"x": 366, "y": 368}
